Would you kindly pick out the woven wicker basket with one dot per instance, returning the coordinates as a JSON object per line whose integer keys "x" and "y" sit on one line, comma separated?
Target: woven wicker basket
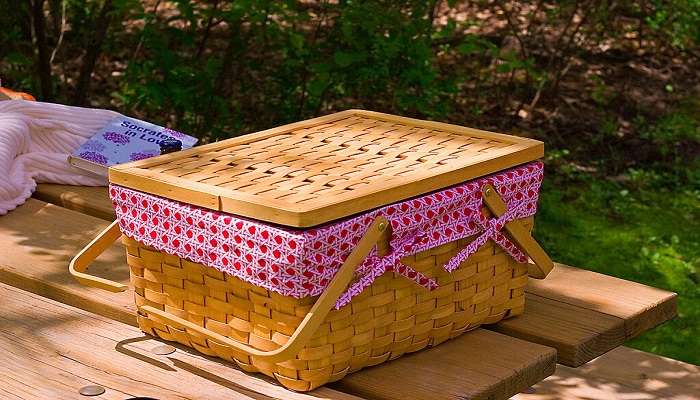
{"x": 302, "y": 341}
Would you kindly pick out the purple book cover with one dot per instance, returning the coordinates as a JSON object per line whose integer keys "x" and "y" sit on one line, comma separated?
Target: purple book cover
{"x": 126, "y": 139}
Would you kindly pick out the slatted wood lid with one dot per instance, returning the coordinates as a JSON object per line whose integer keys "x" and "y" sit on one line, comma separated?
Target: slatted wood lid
{"x": 314, "y": 171}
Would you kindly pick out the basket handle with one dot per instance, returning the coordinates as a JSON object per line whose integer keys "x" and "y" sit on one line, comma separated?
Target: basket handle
{"x": 521, "y": 236}
{"x": 89, "y": 253}
{"x": 311, "y": 321}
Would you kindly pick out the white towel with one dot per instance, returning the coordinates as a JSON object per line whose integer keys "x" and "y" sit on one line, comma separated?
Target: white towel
{"x": 35, "y": 141}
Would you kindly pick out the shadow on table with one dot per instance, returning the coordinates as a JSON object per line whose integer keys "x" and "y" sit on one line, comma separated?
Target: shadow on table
{"x": 622, "y": 373}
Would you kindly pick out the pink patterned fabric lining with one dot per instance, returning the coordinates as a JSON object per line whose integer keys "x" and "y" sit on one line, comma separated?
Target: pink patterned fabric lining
{"x": 301, "y": 263}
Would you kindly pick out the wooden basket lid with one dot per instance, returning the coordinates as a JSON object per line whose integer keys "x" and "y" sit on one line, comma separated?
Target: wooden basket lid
{"x": 314, "y": 171}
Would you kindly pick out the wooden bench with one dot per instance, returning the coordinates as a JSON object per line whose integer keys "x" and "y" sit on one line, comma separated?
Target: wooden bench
{"x": 84, "y": 199}
{"x": 581, "y": 313}
{"x": 623, "y": 373}
{"x": 581, "y": 321}
{"x": 584, "y": 314}
{"x": 51, "y": 350}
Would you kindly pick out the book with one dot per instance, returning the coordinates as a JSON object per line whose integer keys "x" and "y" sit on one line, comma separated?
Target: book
{"x": 125, "y": 139}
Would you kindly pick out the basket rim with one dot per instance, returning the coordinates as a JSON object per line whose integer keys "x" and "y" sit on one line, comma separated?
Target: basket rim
{"x": 507, "y": 151}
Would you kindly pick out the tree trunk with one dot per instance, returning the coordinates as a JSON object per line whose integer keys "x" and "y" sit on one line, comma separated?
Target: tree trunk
{"x": 223, "y": 85}
{"x": 43, "y": 64}
{"x": 55, "y": 11}
{"x": 101, "y": 24}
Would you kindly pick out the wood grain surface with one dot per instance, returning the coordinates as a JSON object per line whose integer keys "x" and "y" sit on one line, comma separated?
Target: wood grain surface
{"x": 85, "y": 199}
{"x": 51, "y": 350}
{"x": 581, "y": 313}
{"x": 623, "y": 373}
{"x": 584, "y": 314}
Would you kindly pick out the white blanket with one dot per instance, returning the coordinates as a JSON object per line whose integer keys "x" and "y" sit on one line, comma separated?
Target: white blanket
{"x": 35, "y": 141}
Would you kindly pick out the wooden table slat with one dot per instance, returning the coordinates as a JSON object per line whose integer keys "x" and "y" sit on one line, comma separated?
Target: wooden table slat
{"x": 584, "y": 314}
{"x": 84, "y": 199}
{"x": 623, "y": 373}
{"x": 599, "y": 312}
{"x": 37, "y": 241}
{"x": 642, "y": 307}
{"x": 579, "y": 334}
{"x": 489, "y": 368}
{"x": 51, "y": 350}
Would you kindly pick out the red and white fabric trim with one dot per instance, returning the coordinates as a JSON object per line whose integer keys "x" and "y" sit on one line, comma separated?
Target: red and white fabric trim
{"x": 301, "y": 262}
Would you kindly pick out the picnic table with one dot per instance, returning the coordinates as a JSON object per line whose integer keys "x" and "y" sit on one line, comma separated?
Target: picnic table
{"x": 58, "y": 336}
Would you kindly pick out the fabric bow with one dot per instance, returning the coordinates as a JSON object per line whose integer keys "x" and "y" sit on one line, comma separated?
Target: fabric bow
{"x": 491, "y": 231}
{"x": 410, "y": 244}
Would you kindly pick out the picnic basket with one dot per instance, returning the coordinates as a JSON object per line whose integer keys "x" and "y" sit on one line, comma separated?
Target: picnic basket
{"x": 318, "y": 248}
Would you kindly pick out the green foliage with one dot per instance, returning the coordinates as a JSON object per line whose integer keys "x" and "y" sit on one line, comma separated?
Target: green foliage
{"x": 645, "y": 235}
{"x": 16, "y": 56}
{"x": 375, "y": 55}
{"x": 677, "y": 20}
{"x": 601, "y": 93}
{"x": 676, "y": 139}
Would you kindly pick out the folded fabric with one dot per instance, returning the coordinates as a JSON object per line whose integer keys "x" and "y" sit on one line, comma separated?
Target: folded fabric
{"x": 302, "y": 262}
{"x": 35, "y": 141}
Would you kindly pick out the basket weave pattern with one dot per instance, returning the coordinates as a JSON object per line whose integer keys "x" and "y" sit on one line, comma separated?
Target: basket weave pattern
{"x": 308, "y": 164}
{"x": 392, "y": 317}
{"x": 320, "y": 170}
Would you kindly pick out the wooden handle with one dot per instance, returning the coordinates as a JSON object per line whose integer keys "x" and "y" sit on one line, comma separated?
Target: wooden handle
{"x": 97, "y": 246}
{"x": 521, "y": 236}
{"x": 311, "y": 321}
